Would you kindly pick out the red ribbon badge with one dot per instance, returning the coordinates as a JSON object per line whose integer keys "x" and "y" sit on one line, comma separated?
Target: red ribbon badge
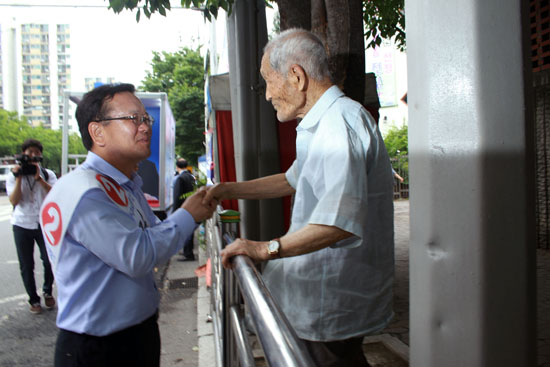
{"x": 113, "y": 189}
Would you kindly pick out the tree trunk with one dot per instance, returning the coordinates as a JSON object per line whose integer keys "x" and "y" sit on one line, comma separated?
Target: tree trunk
{"x": 339, "y": 24}
{"x": 294, "y": 14}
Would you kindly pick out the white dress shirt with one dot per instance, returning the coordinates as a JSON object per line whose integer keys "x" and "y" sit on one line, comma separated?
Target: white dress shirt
{"x": 26, "y": 212}
{"x": 342, "y": 177}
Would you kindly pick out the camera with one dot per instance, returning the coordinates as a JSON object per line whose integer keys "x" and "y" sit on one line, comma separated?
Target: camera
{"x": 26, "y": 163}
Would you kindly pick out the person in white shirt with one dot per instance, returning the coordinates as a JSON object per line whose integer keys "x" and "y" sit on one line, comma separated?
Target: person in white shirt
{"x": 26, "y": 188}
{"x": 332, "y": 273}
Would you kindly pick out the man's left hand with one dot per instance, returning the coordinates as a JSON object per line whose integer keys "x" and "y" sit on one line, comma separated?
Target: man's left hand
{"x": 257, "y": 251}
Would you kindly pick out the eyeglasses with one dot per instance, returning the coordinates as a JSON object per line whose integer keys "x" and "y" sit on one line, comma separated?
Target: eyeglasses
{"x": 137, "y": 120}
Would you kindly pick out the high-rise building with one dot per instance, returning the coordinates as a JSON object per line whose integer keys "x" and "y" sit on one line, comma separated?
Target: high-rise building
{"x": 35, "y": 70}
{"x": 91, "y": 83}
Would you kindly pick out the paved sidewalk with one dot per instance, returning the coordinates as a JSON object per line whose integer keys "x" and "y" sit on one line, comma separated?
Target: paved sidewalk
{"x": 399, "y": 327}
{"x": 178, "y": 314}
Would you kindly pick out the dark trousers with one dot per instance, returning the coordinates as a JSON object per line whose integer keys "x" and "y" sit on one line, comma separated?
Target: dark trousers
{"x": 136, "y": 346}
{"x": 24, "y": 241}
{"x": 188, "y": 247}
{"x": 341, "y": 353}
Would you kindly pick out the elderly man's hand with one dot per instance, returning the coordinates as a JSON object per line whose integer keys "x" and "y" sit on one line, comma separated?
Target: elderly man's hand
{"x": 257, "y": 251}
{"x": 197, "y": 208}
{"x": 214, "y": 193}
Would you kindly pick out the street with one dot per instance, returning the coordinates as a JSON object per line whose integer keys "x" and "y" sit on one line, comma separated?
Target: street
{"x": 27, "y": 339}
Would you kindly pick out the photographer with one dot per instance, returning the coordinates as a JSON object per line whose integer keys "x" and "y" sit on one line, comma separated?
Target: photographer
{"x": 27, "y": 188}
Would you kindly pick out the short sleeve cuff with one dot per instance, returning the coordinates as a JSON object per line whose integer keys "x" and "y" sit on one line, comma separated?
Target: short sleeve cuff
{"x": 292, "y": 176}
{"x": 349, "y": 225}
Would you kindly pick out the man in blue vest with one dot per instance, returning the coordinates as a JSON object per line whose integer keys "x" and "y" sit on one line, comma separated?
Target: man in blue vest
{"x": 105, "y": 242}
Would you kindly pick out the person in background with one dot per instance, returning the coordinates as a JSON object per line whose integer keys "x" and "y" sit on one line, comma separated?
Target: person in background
{"x": 332, "y": 273}
{"x": 396, "y": 175}
{"x": 104, "y": 241}
{"x": 184, "y": 185}
{"x": 26, "y": 188}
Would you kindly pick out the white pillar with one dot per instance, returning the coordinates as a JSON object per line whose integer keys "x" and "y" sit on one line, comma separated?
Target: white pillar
{"x": 472, "y": 248}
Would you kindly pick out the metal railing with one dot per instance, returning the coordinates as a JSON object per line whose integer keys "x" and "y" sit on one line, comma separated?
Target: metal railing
{"x": 242, "y": 288}
{"x": 401, "y": 165}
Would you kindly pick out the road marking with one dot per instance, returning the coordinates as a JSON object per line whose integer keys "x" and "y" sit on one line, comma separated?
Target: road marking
{"x": 12, "y": 262}
{"x": 12, "y": 298}
{"x": 5, "y": 212}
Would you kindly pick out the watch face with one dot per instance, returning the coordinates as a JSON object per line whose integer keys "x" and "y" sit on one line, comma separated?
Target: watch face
{"x": 273, "y": 247}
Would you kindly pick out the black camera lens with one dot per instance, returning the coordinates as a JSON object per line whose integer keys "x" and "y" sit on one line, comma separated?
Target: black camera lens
{"x": 25, "y": 161}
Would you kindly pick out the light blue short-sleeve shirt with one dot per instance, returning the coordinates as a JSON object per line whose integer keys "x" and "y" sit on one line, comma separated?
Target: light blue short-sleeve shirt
{"x": 342, "y": 177}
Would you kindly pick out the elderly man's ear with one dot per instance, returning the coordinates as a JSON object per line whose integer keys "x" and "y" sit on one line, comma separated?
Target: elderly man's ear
{"x": 298, "y": 77}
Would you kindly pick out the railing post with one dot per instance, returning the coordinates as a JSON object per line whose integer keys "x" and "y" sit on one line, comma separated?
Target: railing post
{"x": 214, "y": 246}
{"x": 230, "y": 222}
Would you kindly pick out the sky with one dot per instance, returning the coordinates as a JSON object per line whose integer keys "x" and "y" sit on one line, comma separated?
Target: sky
{"x": 105, "y": 44}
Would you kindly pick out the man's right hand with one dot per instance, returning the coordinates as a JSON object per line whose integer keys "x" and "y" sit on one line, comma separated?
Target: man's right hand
{"x": 196, "y": 206}
{"x": 15, "y": 170}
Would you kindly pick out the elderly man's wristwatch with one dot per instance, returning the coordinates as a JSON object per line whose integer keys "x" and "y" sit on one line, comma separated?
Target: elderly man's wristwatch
{"x": 273, "y": 248}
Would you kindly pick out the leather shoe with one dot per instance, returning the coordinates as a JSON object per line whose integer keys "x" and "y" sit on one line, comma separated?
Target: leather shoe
{"x": 49, "y": 301}
{"x": 35, "y": 308}
{"x": 186, "y": 259}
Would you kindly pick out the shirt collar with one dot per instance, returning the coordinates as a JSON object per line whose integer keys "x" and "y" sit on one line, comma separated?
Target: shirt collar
{"x": 101, "y": 165}
{"x": 319, "y": 108}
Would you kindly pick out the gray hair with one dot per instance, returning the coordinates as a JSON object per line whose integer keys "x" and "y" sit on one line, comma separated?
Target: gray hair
{"x": 298, "y": 46}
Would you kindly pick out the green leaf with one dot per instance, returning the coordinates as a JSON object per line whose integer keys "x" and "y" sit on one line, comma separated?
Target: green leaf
{"x": 116, "y": 5}
{"x": 138, "y": 15}
{"x": 385, "y": 19}
{"x": 214, "y": 11}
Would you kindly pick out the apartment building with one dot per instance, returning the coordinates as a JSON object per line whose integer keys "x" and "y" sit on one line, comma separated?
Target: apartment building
{"x": 35, "y": 70}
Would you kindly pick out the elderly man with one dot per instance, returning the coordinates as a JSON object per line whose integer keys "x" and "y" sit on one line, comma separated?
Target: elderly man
{"x": 332, "y": 273}
{"x": 104, "y": 241}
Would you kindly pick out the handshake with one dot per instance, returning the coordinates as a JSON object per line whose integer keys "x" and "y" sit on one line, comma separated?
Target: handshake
{"x": 200, "y": 205}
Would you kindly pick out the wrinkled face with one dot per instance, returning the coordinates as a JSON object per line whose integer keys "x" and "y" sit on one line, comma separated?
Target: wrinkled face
{"x": 123, "y": 138}
{"x": 284, "y": 97}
